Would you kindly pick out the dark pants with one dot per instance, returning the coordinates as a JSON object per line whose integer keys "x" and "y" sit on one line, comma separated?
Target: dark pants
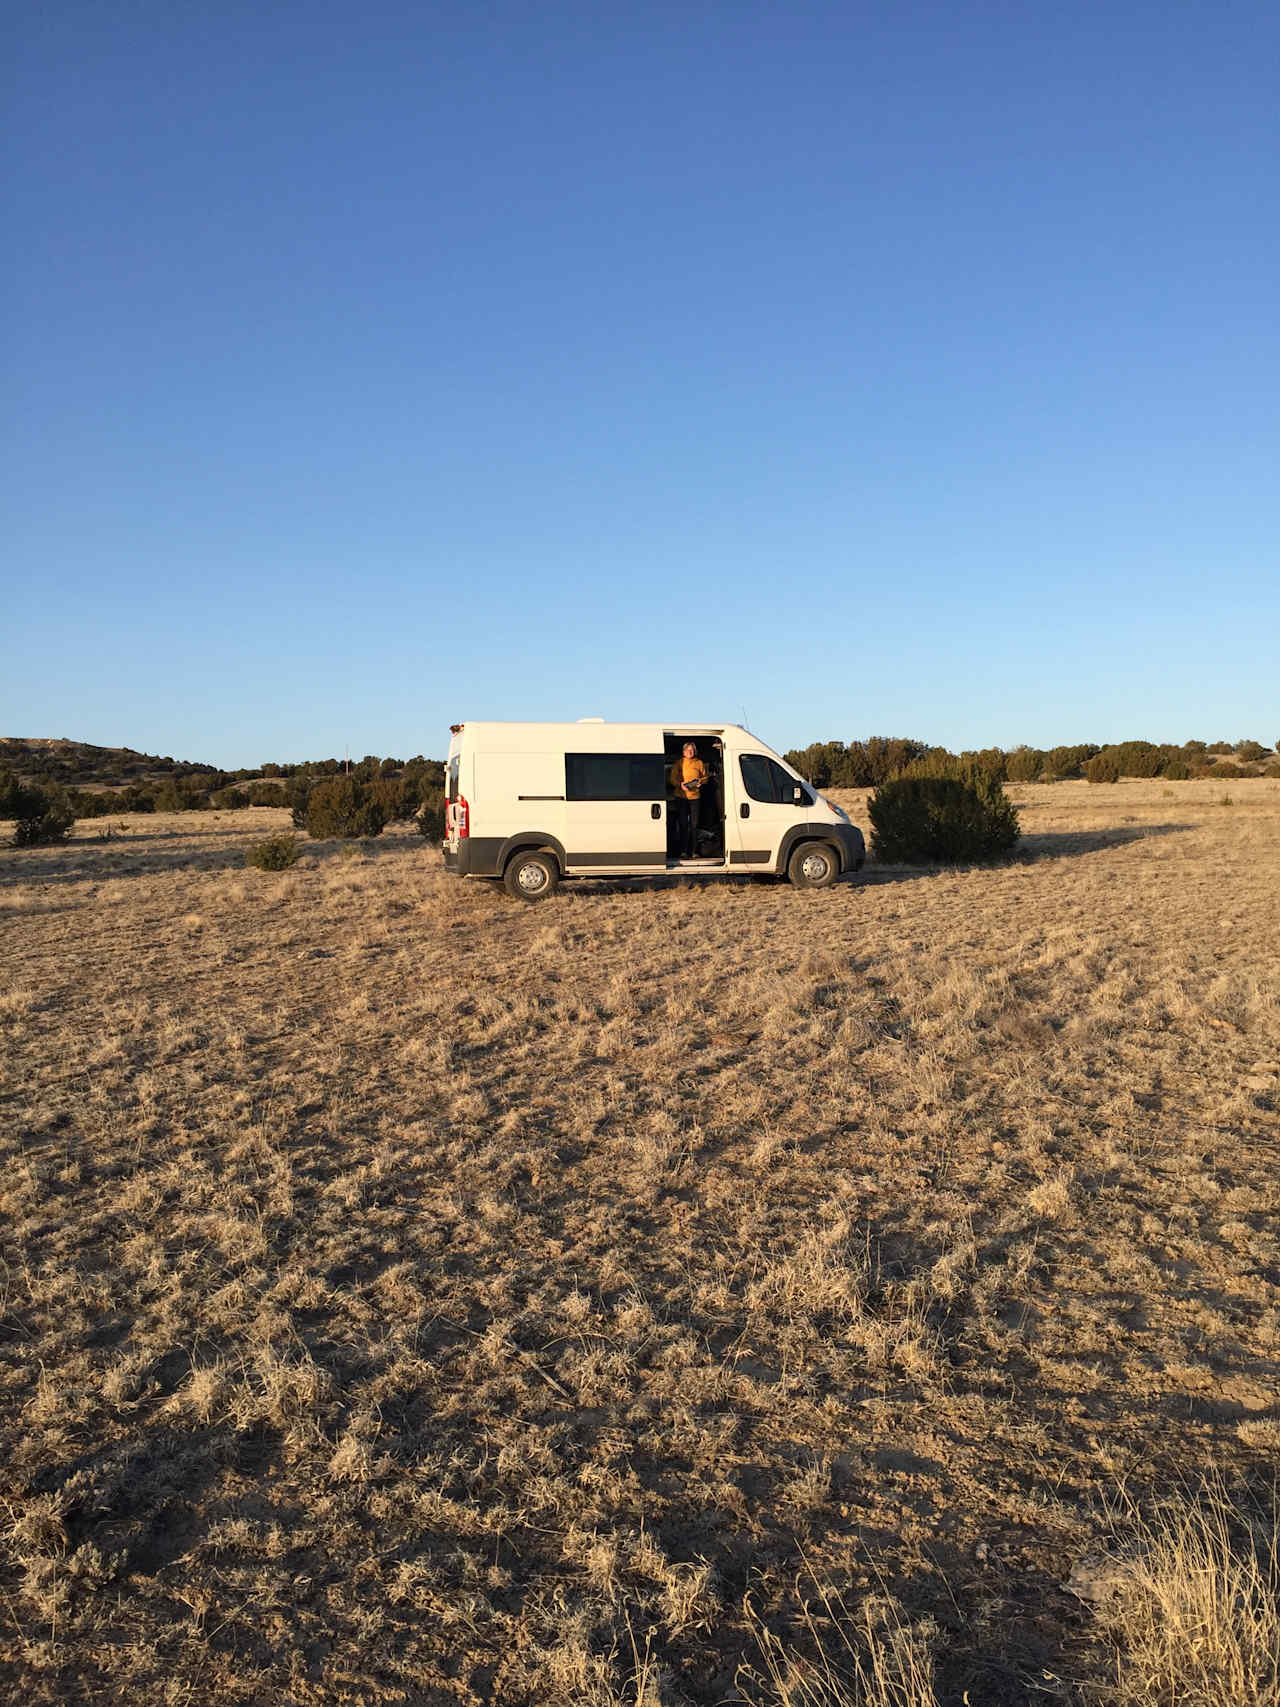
{"x": 682, "y": 824}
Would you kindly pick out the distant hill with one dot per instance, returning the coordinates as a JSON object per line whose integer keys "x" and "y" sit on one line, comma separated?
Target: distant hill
{"x": 78, "y": 764}
{"x": 103, "y": 780}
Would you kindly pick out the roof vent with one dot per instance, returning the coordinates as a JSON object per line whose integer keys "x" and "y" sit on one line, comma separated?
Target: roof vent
{"x": 591, "y": 720}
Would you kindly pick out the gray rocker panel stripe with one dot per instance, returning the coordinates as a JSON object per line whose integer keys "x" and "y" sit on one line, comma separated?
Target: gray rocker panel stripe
{"x": 486, "y": 856}
{"x": 646, "y": 859}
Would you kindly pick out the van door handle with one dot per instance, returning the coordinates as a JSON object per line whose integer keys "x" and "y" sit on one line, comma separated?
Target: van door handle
{"x": 655, "y": 811}
{"x": 744, "y": 811}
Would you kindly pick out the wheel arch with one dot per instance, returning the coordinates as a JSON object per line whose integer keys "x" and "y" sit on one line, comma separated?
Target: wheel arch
{"x": 525, "y": 840}
{"x": 808, "y": 833}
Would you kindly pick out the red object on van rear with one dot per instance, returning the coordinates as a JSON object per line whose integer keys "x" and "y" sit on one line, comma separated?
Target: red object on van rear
{"x": 462, "y": 817}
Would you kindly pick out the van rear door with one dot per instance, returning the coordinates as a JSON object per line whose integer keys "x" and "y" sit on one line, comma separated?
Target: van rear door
{"x": 455, "y": 809}
{"x": 615, "y": 807}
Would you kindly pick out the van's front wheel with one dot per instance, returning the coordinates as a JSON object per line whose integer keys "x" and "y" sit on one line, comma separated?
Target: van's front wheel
{"x": 531, "y": 876}
{"x": 812, "y": 866}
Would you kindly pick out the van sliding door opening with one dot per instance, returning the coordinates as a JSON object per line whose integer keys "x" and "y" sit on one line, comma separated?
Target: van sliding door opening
{"x": 695, "y": 811}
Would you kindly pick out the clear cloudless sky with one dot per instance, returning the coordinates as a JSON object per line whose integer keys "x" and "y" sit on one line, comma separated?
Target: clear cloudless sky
{"x": 899, "y": 368}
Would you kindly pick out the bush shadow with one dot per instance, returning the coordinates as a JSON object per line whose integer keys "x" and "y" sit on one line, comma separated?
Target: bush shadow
{"x": 1055, "y": 844}
{"x": 1032, "y": 849}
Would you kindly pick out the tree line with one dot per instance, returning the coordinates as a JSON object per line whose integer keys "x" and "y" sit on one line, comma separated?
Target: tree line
{"x": 329, "y": 797}
{"x": 868, "y": 763}
{"x": 401, "y": 787}
{"x": 326, "y": 797}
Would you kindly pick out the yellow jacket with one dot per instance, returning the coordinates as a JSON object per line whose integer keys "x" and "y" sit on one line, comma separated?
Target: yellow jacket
{"x": 687, "y": 777}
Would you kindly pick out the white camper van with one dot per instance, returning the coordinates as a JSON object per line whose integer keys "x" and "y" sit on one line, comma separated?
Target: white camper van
{"x": 532, "y": 803}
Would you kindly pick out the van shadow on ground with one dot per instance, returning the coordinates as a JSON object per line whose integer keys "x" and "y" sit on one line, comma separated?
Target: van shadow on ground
{"x": 1031, "y": 849}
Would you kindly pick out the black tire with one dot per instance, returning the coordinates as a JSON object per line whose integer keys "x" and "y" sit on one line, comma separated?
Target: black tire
{"x": 531, "y": 876}
{"x": 813, "y": 865}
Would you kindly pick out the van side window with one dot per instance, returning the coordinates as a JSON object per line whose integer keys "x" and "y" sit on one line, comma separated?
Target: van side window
{"x": 614, "y": 776}
{"x": 764, "y": 779}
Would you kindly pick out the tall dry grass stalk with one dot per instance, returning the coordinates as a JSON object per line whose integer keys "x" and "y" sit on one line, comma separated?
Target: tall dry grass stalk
{"x": 1195, "y": 1610}
{"x": 872, "y": 1657}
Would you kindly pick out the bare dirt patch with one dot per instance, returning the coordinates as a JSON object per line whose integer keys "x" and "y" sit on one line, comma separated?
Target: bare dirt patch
{"x": 413, "y": 1295}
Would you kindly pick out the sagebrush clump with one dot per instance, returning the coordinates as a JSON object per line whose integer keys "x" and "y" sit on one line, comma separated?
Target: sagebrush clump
{"x": 941, "y": 820}
{"x": 431, "y": 817}
{"x": 40, "y": 814}
{"x": 275, "y": 853}
{"x": 344, "y": 806}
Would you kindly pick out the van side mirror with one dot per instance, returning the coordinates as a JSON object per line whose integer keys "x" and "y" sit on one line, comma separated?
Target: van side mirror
{"x": 797, "y": 794}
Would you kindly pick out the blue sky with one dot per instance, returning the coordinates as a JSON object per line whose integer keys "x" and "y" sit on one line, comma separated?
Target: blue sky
{"x": 904, "y": 369}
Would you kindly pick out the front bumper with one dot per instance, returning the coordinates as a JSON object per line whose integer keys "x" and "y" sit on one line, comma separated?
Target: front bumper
{"x": 853, "y": 850}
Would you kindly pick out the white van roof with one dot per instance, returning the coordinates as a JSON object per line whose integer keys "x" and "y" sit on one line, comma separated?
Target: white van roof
{"x": 592, "y": 734}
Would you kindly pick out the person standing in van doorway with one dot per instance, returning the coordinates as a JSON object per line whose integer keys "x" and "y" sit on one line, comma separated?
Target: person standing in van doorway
{"x": 688, "y": 774}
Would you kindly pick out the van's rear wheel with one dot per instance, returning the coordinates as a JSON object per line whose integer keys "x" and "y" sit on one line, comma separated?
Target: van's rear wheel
{"x": 812, "y": 866}
{"x": 531, "y": 876}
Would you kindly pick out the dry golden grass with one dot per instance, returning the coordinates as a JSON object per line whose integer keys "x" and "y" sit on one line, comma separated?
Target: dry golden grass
{"x": 411, "y": 1295}
{"x": 872, "y": 1658}
{"x": 1195, "y": 1607}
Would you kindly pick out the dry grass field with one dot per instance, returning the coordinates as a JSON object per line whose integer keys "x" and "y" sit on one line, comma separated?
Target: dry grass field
{"x": 665, "y": 1294}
